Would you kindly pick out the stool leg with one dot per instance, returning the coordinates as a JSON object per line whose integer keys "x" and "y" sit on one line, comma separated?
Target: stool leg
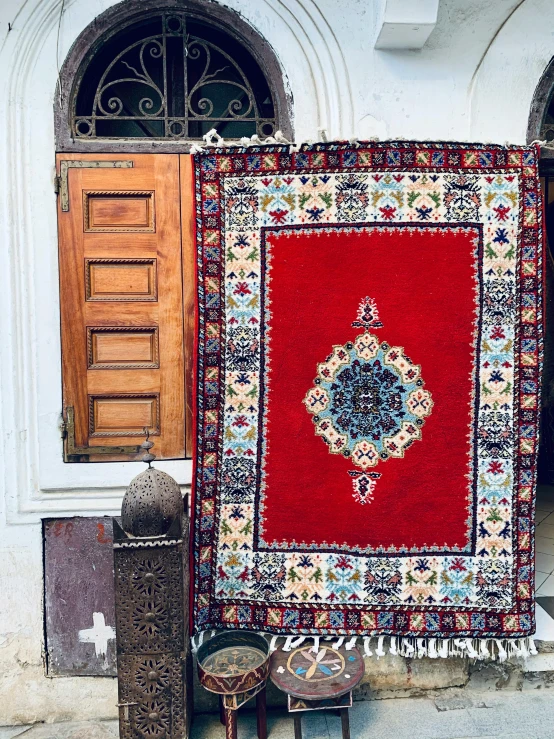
{"x": 345, "y": 723}
{"x": 230, "y": 724}
{"x": 221, "y": 710}
{"x": 297, "y": 726}
{"x": 261, "y": 716}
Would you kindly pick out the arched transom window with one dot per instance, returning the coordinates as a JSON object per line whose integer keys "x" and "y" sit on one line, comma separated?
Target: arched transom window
{"x": 170, "y": 76}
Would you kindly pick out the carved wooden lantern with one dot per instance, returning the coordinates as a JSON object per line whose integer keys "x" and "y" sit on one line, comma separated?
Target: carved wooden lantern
{"x": 151, "y": 603}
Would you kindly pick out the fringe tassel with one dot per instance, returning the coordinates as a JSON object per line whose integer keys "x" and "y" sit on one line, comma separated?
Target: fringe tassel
{"x": 351, "y": 643}
{"x": 213, "y": 139}
{"x": 502, "y": 653}
{"x": 286, "y": 645}
{"x": 297, "y": 642}
{"x": 499, "y": 650}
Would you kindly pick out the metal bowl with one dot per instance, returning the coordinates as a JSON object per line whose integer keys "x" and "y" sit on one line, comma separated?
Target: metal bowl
{"x": 233, "y": 661}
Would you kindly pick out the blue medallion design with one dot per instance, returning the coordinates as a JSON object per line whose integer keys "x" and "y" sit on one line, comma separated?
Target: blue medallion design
{"x": 368, "y": 401}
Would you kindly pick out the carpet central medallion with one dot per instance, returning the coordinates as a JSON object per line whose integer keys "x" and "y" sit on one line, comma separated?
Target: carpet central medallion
{"x": 368, "y": 401}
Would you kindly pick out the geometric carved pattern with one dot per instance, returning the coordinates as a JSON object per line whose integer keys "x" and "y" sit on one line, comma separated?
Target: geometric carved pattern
{"x": 124, "y": 414}
{"x": 153, "y": 659}
{"x": 121, "y": 279}
{"x": 119, "y": 211}
{"x": 122, "y": 347}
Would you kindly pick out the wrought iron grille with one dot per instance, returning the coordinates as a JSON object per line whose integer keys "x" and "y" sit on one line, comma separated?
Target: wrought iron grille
{"x": 171, "y": 76}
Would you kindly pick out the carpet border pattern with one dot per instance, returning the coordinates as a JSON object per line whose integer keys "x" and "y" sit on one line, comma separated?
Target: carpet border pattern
{"x": 238, "y": 192}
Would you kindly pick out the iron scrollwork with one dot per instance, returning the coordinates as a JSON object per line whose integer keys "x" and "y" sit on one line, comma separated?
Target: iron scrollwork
{"x": 175, "y": 83}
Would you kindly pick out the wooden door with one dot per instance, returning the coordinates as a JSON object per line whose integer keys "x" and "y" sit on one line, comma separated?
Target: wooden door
{"x": 121, "y": 297}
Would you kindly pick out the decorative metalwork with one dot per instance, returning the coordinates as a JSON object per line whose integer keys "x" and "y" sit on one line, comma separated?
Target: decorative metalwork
{"x": 177, "y": 79}
{"x": 152, "y": 502}
{"x": 147, "y": 446}
{"x": 62, "y": 180}
{"x": 151, "y": 597}
{"x": 71, "y": 449}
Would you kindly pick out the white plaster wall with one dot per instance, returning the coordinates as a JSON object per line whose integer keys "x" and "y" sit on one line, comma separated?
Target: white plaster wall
{"x": 474, "y": 79}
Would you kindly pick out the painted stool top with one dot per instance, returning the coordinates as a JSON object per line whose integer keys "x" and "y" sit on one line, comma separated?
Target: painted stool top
{"x": 309, "y": 674}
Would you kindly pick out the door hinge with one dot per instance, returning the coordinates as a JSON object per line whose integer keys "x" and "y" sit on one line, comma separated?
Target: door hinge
{"x": 72, "y": 450}
{"x": 61, "y": 181}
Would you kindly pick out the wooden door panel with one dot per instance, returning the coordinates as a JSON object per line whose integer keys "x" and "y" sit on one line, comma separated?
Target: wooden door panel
{"x": 124, "y": 211}
{"x": 121, "y": 279}
{"x": 121, "y": 299}
{"x": 188, "y": 235}
{"x": 120, "y": 347}
{"x": 126, "y": 414}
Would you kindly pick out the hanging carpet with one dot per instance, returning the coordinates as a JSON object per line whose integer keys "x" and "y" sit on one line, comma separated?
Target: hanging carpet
{"x": 367, "y": 388}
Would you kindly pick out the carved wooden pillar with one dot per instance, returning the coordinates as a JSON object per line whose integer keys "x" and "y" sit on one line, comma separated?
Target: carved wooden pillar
{"x": 151, "y": 601}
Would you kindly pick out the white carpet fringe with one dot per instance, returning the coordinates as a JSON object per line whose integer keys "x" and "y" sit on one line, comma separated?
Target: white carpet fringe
{"x": 351, "y": 643}
{"x": 498, "y": 650}
{"x": 213, "y": 140}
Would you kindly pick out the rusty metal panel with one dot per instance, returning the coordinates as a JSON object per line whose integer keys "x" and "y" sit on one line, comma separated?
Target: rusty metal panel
{"x": 79, "y": 596}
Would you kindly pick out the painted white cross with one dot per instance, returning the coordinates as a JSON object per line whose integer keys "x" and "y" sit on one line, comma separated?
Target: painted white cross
{"x": 99, "y": 635}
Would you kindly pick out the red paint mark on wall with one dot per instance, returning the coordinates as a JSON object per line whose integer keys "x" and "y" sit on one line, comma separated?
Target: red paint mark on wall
{"x": 101, "y": 537}
{"x": 63, "y": 529}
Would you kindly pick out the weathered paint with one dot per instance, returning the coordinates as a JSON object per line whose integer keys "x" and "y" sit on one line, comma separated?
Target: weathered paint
{"x": 99, "y": 635}
{"x": 79, "y": 596}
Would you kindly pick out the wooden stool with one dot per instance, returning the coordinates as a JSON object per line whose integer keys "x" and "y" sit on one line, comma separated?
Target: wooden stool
{"x": 314, "y": 681}
{"x": 236, "y": 665}
{"x": 229, "y": 705}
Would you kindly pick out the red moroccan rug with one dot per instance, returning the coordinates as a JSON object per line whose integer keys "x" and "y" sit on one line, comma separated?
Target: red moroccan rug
{"x": 367, "y": 384}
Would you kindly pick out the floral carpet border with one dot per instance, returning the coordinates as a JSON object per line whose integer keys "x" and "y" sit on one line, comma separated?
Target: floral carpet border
{"x": 211, "y": 170}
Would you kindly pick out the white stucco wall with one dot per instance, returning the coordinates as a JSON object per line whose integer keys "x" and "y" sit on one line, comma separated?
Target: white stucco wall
{"x": 474, "y": 79}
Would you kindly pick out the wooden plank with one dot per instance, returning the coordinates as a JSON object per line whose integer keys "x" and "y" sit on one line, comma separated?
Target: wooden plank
{"x": 189, "y": 289}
